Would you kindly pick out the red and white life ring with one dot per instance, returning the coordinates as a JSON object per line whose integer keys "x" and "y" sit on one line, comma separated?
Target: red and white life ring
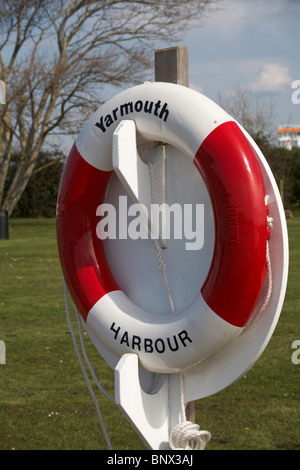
{"x": 228, "y": 164}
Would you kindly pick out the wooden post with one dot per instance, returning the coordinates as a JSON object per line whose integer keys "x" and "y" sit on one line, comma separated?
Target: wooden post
{"x": 172, "y": 66}
{"x": 281, "y": 191}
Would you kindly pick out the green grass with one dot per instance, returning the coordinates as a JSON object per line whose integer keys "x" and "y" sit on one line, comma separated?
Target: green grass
{"x": 44, "y": 400}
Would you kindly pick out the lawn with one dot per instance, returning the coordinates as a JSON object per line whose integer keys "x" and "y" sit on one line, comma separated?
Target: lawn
{"x": 44, "y": 400}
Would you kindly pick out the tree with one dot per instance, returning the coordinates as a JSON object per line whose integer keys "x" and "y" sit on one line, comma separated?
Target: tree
{"x": 255, "y": 115}
{"x": 57, "y": 56}
{"x": 285, "y": 166}
{"x": 39, "y": 199}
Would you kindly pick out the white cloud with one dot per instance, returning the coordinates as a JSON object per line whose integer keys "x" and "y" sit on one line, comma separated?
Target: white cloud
{"x": 195, "y": 87}
{"x": 271, "y": 78}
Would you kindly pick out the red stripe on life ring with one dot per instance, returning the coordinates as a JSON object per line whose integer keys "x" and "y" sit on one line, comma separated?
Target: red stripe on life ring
{"x": 235, "y": 182}
{"x": 82, "y": 189}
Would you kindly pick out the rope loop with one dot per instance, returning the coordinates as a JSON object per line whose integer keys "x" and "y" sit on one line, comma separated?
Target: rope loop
{"x": 187, "y": 436}
{"x": 81, "y": 362}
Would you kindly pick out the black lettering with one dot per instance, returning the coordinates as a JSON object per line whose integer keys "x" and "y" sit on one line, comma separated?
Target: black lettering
{"x": 175, "y": 347}
{"x": 160, "y": 349}
{"x": 164, "y": 112}
{"x": 108, "y": 120}
{"x": 126, "y": 108}
{"x": 136, "y": 341}
{"x": 148, "y": 107}
{"x": 115, "y": 331}
{"x": 100, "y": 124}
{"x": 138, "y": 106}
{"x": 148, "y": 345}
{"x": 184, "y": 337}
{"x": 115, "y": 114}
{"x": 125, "y": 339}
{"x": 156, "y": 107}
{"x": 233, "y": 223}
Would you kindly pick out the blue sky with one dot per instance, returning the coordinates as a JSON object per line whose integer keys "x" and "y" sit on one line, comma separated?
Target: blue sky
{"x": 254, "y": 44}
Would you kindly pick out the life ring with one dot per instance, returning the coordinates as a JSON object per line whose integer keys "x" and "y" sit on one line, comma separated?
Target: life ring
{"x": 227, "y": 162}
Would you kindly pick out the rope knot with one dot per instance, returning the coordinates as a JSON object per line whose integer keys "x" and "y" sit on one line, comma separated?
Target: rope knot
{"x": 187, "y": 436}
{"x": 269, "y": 219}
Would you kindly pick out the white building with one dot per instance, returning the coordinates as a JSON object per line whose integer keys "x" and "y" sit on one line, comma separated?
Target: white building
{"x": 289, "y": 136}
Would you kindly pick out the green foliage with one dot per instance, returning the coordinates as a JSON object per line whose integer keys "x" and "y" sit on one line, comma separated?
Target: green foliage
{"x": 285, "y": 166}
{"x": 40, "y": 196}
{"x": 296, "y": 182}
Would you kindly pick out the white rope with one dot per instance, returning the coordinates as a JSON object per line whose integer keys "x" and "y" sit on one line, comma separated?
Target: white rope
{"x": 270, "y": 282}
{"x": 87, "y": 358}
{"x": 88, "y": 363}
{"x": 268, "y": 264}
{"x": 158, "y": 251}
{"x": 185, "y": 435}
{"x": 162, "y": 268}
